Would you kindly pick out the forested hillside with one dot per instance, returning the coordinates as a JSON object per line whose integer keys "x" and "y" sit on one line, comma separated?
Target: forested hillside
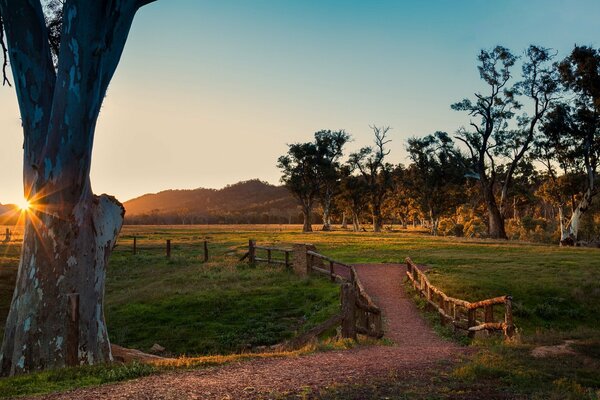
{"x": 250, "y": 201}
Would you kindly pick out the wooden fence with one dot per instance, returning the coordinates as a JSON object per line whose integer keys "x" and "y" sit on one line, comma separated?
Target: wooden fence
{"x": 270, "y": 254}
{"x": 359, "y": 312}
{"x": 463, "y": 314}
{"x": 167, "y": 249}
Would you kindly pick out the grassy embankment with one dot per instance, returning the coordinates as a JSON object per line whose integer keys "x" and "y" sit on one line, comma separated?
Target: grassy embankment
{"x": 189, "y": 307}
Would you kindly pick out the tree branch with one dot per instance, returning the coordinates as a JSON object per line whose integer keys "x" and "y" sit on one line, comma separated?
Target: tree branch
{"x": 5, "y": 80}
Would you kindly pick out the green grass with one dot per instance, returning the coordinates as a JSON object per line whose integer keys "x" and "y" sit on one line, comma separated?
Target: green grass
{"x": 69, "y": 378}
{"x": 225, "y": 306}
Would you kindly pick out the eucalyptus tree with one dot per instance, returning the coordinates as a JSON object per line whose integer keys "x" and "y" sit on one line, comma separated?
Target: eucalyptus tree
{"x": 330, "y": 146}
{"x": 439, "y": 174}
{"x": 377, "y": 173}
{"x": 570, "y": 139}
{"x": 311, "y": 172}
{"x": 353, "y": 195}
{"x": 493, "y": 139}
{"x": 300, "y": 175}
{"x": 70, "y": 232}
{"x": 401, "y": 201}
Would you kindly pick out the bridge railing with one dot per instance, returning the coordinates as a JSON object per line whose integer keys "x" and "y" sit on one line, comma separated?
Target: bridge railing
{"x": 462, "y": 314}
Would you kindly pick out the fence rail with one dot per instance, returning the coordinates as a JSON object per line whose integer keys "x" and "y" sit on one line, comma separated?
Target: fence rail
{"x": 270, "y": 252}
{"x": 462, "y": 314}
{"x": 360, "y": 314}
{"x": 157, "y": 245}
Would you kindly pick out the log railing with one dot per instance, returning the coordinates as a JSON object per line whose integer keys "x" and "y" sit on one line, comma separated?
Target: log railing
{"x": 270, "y": 254}
{"x": 462, "y": 314}
{"x": 359, "y": 312}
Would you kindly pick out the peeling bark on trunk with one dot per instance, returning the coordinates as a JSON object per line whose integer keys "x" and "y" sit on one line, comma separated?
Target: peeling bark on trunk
{"x": 60, "y": 257}
{"x": 435, "y": 221}
{"x": 69, "y": 233}
{"x": 570, "y": 231}
{"x": 326, "y": 216}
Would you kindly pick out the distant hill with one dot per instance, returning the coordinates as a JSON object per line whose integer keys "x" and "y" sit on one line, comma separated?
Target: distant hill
{"x": 250, "y": 201}
{"x": 9, "y": 214}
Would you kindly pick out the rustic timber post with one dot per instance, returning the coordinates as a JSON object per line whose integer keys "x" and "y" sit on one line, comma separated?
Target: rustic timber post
{"x": 168, "y": 248}
{"x": 442, "y": 304}
{"x": 509, "y": 327}
{"x": 287, "y": 259}
{"x": 331, "y": 271}
{"x": 72, "y": 340}
{"x": 134, "y": 245}
{"x": 471, "y": 320}
{"x": 251, "y": 251}
{"x": 268, "y": 256}
{"x": 348, "y": 311}
{"x": 379, "y": 325}
{"x": 205, "y": 251}
{"x": 488, "y": 313}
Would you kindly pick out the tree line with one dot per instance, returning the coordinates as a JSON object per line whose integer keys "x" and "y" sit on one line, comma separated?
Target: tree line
{"x": 523, "y": 166}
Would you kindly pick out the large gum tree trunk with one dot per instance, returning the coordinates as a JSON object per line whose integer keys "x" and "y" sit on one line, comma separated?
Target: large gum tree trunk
{"x": 496, "y": 228}
{"x": 70, "y": 232}
{"x": 355, "y": 222}
{"x": 377, "y": 220}
{"x": 307, "y": 214}
{"x": 570, "y": 231}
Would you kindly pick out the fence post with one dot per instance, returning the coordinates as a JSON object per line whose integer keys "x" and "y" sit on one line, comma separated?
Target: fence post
{"x": 442, "y": 305}
{"x": 471, "y": 320}
{"x": 72, "y": 342}
{"x": 168, "y": 248}
{"x": 488, "y": 313}
{"x": 287, "y": 259}
{"x": 331, "y": 273}
{"x": 251, "y": 251}
{"x": 134, "y": 245}
{"x": 205, "y": 251}
{"x": 268, "y": 256}
{"x": 509, "y": 328}
{"x": 348, "y": 311}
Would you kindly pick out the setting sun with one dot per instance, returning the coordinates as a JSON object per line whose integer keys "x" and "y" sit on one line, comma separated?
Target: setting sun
{"x": 24, "y": 205}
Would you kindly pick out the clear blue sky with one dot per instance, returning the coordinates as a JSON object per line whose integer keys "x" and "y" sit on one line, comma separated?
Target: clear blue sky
{"x": 209, "y": 93}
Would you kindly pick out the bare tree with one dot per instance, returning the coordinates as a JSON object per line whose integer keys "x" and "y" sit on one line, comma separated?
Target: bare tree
{"x": 370, "y": 162}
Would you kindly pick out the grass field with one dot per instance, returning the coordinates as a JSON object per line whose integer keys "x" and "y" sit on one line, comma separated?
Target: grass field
{"x": 225, "y": 306}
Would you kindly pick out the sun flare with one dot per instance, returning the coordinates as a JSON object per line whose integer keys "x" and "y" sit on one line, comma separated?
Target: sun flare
{"x": 24, "y": 205}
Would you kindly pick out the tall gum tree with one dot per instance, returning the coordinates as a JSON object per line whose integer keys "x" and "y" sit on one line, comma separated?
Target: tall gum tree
{"x": 492, "y": 141}
{"x": 69, "y": 231}
{"x": 570, "y": 139}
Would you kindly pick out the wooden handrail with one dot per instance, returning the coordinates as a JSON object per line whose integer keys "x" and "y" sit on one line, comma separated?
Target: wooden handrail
{"x": 252, "y": 258}
{"x": 445, "y": 302}
{"x": 273, "y": 249}
{"x": 369, "y": 321}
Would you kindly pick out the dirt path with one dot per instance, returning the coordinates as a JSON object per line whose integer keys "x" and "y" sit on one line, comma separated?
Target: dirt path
{"x": 417, "y": 351}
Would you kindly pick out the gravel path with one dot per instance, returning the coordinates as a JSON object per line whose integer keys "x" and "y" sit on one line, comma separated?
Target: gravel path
{"x": 416, "y": 351}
